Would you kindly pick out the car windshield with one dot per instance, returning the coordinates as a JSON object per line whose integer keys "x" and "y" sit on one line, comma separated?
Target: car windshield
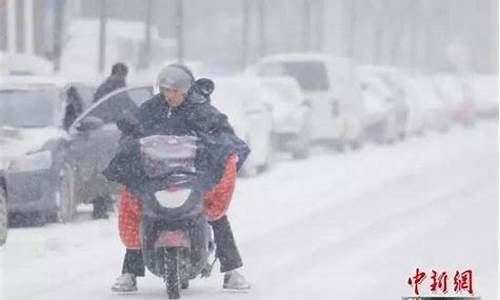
{"x": 28, "y": 108}
{"x": 310, "y": 75}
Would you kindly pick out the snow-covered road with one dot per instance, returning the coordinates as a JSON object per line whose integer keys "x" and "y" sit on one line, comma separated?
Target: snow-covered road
{"x": 337, "y": 226}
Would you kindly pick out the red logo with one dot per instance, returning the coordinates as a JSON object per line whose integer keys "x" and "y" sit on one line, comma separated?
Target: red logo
{"x": 462, "y": 282}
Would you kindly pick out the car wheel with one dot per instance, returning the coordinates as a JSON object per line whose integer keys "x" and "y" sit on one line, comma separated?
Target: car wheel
{"x": 3, "y": 216}
{"x": 65, "y": 195}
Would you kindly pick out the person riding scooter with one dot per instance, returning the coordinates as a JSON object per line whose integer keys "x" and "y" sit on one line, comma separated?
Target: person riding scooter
{"x": 182, "y": 108}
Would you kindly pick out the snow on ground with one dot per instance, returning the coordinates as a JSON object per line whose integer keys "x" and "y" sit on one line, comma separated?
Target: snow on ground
{"x": 353, "y": 226}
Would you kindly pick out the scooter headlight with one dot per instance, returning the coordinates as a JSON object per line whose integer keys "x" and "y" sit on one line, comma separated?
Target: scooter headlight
{"x": 172, "y": 198}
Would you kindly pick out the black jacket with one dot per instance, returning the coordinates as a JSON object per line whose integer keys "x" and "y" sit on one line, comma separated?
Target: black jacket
{"x": 111, "y": 84}
{"x": 193, "y": 117}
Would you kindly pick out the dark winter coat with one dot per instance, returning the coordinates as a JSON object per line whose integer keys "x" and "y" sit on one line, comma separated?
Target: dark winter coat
{"x": 193, "y": 117}
{"x": 111, "y": 84}
{"x": 74, "y": 107}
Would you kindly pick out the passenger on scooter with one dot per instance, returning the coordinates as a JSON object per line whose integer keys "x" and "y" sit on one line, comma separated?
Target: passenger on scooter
{"x": 183, "y": 108}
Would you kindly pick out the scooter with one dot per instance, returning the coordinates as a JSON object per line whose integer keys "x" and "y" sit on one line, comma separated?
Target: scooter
{"x": 176, "y": 238}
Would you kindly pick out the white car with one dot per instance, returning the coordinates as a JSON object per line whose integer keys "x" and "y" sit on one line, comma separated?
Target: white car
{"x": 381, "y": 115}
{"x": 291, "y": 127}
{"x": 393, "y": 79}
{"x": 483, "y": 89}
{"x": 242, "y": 100}
{"x": 332, "y": 90}
{"x": 427, "y": 111}
{"x": 452, "y": 89}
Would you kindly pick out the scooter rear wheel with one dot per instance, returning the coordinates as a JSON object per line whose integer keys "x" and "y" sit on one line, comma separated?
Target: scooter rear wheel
{"x": 171, "y": 277}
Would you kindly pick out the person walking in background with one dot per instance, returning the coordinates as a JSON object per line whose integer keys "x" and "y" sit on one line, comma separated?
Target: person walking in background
{"x": 116, "y": 80}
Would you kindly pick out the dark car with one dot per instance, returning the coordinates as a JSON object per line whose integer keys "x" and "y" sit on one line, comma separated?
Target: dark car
{"x": 48, "y": 169}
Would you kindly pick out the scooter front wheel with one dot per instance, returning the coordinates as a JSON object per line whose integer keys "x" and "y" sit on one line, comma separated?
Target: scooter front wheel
{"x": 171, "y": 276}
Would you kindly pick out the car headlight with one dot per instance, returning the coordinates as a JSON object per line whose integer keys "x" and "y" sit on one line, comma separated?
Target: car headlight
{"x": 172, "y": 198}
{"x": 31, "y": 162}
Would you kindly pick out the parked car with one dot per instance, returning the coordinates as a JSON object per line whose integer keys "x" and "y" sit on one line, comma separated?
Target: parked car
{"x": 3, "y": 216}
{"x": 243, "y": 100}
{"x": 50, "y": 169}
{"x": 332, "y": 90}
{"x": 291, "y": 117}
{"x": 393, "y": 79}
{"x": 28, "y": 124}
{"x": 381, "y": 114}
{"x": 483, "y": 89}
{"x": 452, "y": 89}
{"x": 427, "y": 111}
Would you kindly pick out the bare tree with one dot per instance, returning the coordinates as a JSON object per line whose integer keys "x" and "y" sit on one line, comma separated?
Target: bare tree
{"x": 146, "y": 57}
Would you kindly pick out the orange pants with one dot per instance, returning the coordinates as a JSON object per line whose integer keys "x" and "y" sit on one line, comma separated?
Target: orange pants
{"x": 216, "y": 204}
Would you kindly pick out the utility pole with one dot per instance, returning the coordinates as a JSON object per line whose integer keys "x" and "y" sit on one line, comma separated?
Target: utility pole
{"x": 180, "y": 31}
{"x": 146, "y": 61}
{"x": 320, "y": 13}
{"x": 102, "y": 35}
{"x": 11, "y": 27}
{"x": 352, "y": 23}
{"x": 262, "y": 28}
{"x": 28, "y": 26}
{"x": 306, "y": 29}
{"x": 397, "y": 15}
{"x": 245, "y": 33}
{"x": 58, "y": 33}
{"x": 380, "y": 30}
{"x": 414, "y": 36}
